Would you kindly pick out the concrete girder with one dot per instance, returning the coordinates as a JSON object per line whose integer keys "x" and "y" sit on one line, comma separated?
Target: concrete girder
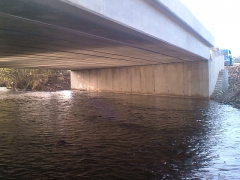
{"x": 69, "y": 35}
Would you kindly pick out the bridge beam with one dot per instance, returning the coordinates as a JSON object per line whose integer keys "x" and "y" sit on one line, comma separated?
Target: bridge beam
{"x": 80, "y": 34}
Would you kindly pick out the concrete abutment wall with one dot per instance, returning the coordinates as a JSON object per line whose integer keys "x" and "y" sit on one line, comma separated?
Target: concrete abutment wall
{"x": 190, "y": 79}
{"x": 216, "y": 64}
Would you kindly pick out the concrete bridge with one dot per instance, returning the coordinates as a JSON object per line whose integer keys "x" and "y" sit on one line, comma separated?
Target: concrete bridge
{"x": 130, "y": 46}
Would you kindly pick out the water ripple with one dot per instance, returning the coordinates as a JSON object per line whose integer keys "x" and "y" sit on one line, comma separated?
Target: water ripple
{"x": 79, "y": 135}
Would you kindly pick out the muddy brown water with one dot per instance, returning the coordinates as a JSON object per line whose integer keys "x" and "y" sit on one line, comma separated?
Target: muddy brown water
{"x": 80, "y": 135}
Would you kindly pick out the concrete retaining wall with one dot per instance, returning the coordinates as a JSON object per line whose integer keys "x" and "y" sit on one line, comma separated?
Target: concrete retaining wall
{"x": 179, "y": 79}
{"x": 216, "y": 64}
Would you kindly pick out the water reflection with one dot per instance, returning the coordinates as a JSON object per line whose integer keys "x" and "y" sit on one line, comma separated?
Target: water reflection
{"x": 223, "y": 142}
{"x": 79, "y": 135}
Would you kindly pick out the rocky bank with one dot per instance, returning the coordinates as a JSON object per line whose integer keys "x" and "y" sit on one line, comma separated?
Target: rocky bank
{"x": 232, "y": 95}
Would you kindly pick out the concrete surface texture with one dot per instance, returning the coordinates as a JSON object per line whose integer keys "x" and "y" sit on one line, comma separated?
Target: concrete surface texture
{"x": 187, "y": 19}
{"x": 89, "y": 34}
{"x": 185, "y": 32}
{"x": 216, "y": 64}
{"x": 133, "y": 46}
{"x": 222, "y": 83}
{"x": 192, "y": 79}
{"x": 177, "y": 79}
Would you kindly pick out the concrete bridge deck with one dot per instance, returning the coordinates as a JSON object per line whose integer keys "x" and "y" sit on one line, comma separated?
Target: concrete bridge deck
{"x": 97, "y": 34}
{"x": 151, "y": 41}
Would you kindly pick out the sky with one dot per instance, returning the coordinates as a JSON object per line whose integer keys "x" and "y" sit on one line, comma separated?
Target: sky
{"x": 221, "y": 18}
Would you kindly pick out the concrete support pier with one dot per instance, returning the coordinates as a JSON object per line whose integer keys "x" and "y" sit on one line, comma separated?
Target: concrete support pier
{"x": 191, "y": 79}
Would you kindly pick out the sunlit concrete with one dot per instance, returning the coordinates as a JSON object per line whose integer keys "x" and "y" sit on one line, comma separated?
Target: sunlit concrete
{"x": 133, "y": 46}
{"x": 216, "y": 64}
{"x": 165, "y": 20}
{"x": 80, "y": 34}
{"x": 188, "y": 79}
{"x": 191, "y": 79}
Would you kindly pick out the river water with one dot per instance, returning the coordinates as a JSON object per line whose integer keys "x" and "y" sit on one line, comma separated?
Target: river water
{"x": 82, "y": 135}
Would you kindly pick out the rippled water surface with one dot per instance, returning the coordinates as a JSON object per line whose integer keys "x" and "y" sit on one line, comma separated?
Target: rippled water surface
{"x": 79, "y": 135}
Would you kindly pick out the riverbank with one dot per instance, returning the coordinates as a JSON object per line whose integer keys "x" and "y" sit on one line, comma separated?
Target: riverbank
{"x": 61, "y": 81}
{"x": 57, "y": 82}
{"x": 232, "y": 95}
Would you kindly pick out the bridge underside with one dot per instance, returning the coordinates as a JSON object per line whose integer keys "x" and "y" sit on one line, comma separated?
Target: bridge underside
{"x": 105, "y": 54}
{"x": 55, "y": 35}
